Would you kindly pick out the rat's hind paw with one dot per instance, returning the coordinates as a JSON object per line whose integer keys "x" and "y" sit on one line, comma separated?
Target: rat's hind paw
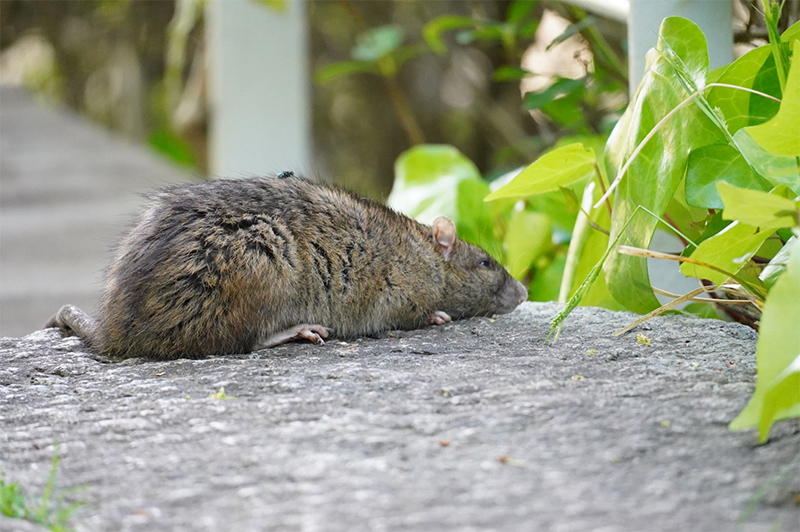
{"x": 440, "y": 318}
{"x": 313, "y": 333}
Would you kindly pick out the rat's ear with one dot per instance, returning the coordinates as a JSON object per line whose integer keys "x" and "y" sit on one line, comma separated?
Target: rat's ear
{"x": 443, "y": 231}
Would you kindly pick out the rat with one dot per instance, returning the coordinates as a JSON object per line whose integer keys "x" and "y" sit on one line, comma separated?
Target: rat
{"x": 232, "y": 266}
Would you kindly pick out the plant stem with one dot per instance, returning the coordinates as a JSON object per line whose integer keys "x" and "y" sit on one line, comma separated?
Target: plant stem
{"x": 602, "y": 186}
{"x": 675, "y": 226}
{"x": 772, "y": 13}
{"x": 404, "y": 112}
{"x": 388, "y": 72}
{"x": 660, "y": 310}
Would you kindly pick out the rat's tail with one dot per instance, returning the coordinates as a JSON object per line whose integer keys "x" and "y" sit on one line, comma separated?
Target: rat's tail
{"x": 72, "y": 319}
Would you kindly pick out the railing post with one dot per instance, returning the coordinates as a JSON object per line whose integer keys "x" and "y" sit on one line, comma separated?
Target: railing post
{"x": 259, "y": 94}
{"x": 713, "y": 17}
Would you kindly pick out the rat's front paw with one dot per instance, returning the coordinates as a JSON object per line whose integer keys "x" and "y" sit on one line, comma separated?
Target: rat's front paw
{"x": 313, "y": 333}
{"x": 439, "y": 318}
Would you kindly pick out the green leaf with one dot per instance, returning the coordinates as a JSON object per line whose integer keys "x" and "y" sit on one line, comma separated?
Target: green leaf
{"x": 771, "y": 210}
{"x": 544, "y": 286}
{"x": 781, "y": 134}
{"x": 524, "y": 30}
{"x": 590, "y": 280}
{"x": 486, "y": 33}
{"x": 405, "y": 53}
{"x": 792, "y": 33}
{"x": 554, "y": 205}
{"x": 713, "y": 225}
{"x": 571, "y": 30}
{"x": 562, "y": 86}
{"x": 587, "y": 247}
{"x": 571, "y": 200}
{"x": 173, "y": 146}
{"x": 777, "y": 265}
{"x": 519, "y": 9}
{"x": 427, "y": 179}
{"x": 702, "y": 310}
{"x": 432, "y": 33}
{"x": 766, "y": 81}
{"x": 729, "y": 250}
{"x": 708, "y": 165}
{"x": 654, "y": 175}
{"x": 691, "y": 221}
{"x": 528, "y": 235}
{"x": 474, "y": 219}
{"x": 437, "y": 180}
{"x": 777, "y": 394}
{"x": 558, "y": 168}
{"x": 781, "y": 398}
{"x": 344, "y": 68}
{"x": 378, "y": 42}
{"x": 510, "y": 73}
{"x": 777, "y": 169}
{"x": 567, "y": 110}
{"x": 754, "y": 70}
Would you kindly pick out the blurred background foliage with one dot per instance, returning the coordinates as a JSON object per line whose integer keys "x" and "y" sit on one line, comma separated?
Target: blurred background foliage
{"x": 497, "y": 82}
{"x": 500, "y": 80}
{"x": 433, "y": 72}
{"x": 105, "y": 59}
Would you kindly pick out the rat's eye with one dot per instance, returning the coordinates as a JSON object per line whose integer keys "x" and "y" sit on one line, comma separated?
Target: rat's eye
{"x": 485, "y": 263}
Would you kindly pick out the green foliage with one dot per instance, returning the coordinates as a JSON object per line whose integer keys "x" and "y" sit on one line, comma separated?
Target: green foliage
{"x": 437, "y": 180}
{"x": 684, "y": 148}
{"x": 171, "y": 145}
{"x": 48, "y": 509}
{"x": 690, "y": 143}
{"x": 648, "y": 172}
{"x": 685, "y": 143}
{"x": 517, "y": 28}
{"x": 781, "y": 134}
{"x": 378, "y": 51}
{"x": 558, "y": 168}
{"x": 709, "y": 165}
{"x": 528, "y": 234}
{"x": 777, "y": 394}
{"x": 576, "y": 106}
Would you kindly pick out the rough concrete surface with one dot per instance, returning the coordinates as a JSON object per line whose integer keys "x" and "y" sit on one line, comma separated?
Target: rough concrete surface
{"x": 476, "y": 425}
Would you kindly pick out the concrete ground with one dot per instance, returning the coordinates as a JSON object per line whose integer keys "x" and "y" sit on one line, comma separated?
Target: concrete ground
{"x": 477, "y": 425}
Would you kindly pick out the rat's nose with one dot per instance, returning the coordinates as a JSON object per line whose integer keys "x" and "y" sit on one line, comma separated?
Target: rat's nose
{"x": 522, "y": 292}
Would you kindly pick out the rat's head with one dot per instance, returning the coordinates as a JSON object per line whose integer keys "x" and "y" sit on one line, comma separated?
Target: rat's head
{"x": 475, "y": 284}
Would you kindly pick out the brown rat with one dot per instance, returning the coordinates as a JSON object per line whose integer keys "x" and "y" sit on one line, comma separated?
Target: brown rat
{"x": 229, "y": 266}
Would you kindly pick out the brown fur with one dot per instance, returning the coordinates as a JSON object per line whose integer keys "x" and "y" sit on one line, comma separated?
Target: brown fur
{"x": 218, "y": 267}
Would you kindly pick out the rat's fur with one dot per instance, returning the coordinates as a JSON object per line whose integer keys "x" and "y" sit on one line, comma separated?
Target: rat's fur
{"x": 223, "y": 266}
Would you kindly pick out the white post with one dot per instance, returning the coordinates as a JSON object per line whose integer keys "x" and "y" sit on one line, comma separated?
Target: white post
{"x": 259, "y": 94}
{"x": 713, "y": 16}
